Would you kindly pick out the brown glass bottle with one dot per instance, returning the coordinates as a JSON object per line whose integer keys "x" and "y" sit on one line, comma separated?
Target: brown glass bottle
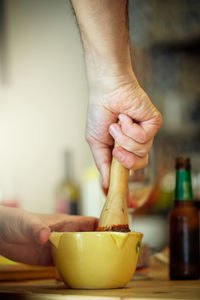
{"x": 184, "y": 227}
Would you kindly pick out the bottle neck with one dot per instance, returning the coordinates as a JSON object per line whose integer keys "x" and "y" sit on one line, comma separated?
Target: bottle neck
{"x": 68, "y": 167}
{"x": 67, "y": 175}
{"x": 183, "y": 190}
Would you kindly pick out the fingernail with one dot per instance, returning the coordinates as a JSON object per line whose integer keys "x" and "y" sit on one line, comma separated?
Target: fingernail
{"x": 113, "y": 130}
{"x": 121, "y": 118}
{"x": 43, "y": 235}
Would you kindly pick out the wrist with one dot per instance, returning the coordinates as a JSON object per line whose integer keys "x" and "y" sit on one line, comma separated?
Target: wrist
{"x": 113, "y": 74}
{"x": 109, "y": 61}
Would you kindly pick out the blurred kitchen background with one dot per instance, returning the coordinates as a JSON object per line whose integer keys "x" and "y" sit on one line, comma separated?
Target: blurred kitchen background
{"x": 44, "y": 158}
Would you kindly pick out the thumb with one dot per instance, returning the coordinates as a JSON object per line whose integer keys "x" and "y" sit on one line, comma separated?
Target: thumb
{"x": 102, "y": 157}
{"x": 41, "y": 232}
{"x": 18, "y": 226}
{"x": 34, "y": 228}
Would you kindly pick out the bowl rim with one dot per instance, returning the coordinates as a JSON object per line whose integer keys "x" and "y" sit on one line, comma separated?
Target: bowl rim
{"x": 99, "y": 233}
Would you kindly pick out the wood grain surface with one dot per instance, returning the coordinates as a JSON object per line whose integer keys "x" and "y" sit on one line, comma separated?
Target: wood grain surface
{"x": 136, "y": 289}
{"x": 24, "y": 272}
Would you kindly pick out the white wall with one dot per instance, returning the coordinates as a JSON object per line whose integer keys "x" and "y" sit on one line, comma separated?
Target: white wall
{"x": 43, "y": 104}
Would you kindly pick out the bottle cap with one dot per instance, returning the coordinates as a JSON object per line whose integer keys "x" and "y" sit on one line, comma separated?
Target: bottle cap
{"x": 183, "y": 163}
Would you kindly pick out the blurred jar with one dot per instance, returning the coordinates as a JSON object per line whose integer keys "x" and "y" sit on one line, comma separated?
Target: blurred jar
{"x": 140, "y": 184}
{"x": 92, "y": 196}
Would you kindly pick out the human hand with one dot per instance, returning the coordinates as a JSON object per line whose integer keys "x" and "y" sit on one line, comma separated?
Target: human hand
{"x": 113, "y": 97}
{"x": 24, "y": 235}
{"x": 113, "y": 89}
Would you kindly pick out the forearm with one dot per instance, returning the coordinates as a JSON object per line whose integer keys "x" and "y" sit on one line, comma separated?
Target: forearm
{"x": 104, "y": 30}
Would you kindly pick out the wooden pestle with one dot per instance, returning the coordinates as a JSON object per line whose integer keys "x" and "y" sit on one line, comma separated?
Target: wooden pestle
{"x": 114, "y": 216}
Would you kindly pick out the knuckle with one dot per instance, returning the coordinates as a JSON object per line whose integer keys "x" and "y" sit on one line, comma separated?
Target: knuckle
{"x": 141, "y": 153}
{"x": 129, "y": 147}
{"x": 122, "y": 142}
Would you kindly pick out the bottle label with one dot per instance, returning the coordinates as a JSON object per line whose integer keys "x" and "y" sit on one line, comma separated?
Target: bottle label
{"x": 183, "y": 190}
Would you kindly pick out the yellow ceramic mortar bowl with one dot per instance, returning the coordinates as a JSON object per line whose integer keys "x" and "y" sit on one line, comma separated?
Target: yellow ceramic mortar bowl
{"x": 96, "y": 260}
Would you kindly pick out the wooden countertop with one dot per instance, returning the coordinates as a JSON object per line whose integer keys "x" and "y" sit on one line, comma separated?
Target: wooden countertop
{"x": 136, "y": 289}
{"x": 151, "y": 283}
